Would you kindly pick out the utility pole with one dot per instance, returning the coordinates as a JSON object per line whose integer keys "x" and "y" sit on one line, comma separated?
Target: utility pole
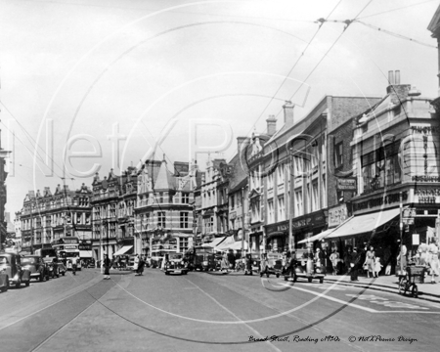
{"x": 401, "y": 230}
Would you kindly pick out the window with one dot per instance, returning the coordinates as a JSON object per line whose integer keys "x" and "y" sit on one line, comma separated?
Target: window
{"x": 161, "y": 219}
{"x": 280, "y": 176}
{"x": 184, "y": 222}
{"x": 298, "y": 203}
{"x": 281, "y": 208}
{"x": 183, "y": 244}
{"x": 339, "y": 161}
{"x": 185, "y": 198}
{"x": 270, "y": 181}
{"x": 270, "y": 211}
{"x": 233, "y": 201}
{"x": 112, "y": 210}
{"x": 315, "y": 196}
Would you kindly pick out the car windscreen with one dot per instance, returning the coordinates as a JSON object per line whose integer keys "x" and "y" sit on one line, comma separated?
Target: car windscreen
{"x": 28, "y": 260}
{"x": 4, "y": 260}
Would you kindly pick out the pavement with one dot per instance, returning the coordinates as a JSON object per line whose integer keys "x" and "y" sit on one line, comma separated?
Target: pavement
{"x": 389, "y": 283}
{"x": 386, "y": 283}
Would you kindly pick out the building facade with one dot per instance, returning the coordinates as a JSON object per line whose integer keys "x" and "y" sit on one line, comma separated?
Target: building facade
{"x": 47, "y": 216}
{"x": 164, "y": 213}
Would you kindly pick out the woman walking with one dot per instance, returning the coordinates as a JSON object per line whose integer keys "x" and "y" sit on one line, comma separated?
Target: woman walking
{"x": 369, "y": 262}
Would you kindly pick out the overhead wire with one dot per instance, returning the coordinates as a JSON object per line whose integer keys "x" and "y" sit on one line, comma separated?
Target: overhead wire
{"x": 30, "y": 138}
{"x": 321, "y": 22}
{"x": 396, "y": 9}
{"x": 397, "y": 35}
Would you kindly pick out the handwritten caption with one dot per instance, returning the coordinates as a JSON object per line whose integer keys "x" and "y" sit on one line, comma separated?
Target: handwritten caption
{"x": 331, "y": 338}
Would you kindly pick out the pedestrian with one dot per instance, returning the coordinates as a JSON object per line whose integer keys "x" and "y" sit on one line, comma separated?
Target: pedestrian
{"x": 369, "y": 262}
{"x": 347, "y": 260}
{"x": 334, "y": 259}
{"x": 140, "y": 269}
{"x": 434, "y": 261}
{"x": 107, "y": 263}
{"x": 377, "y": 267}
{"x": 354, "y": 261}
{"x": 136, "y": 262}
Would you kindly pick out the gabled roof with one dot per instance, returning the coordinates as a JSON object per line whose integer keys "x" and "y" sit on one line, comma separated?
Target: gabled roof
{"x": 164, "y": 180}
{"x": 434, "y": 25}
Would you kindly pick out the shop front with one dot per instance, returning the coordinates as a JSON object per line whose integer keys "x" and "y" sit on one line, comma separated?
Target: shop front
{"x": 306, "y": 226}
{"x": 256, "y": 239}
{"x": 277, "y": 237}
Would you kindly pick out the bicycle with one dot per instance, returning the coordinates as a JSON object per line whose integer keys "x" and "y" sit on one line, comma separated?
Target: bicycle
{"x": 407, "y": 279}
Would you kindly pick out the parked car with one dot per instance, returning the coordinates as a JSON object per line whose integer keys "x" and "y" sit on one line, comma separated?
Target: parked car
{"x": 10, "y": 263}
{"x": 175, "y": 265}
{"x": 38, "y": 268}
{"x": 4, "y": 281}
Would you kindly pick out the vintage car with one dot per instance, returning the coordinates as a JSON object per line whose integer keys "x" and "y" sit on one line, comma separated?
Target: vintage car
{"x": 304, "y": 267}
{"x": 175, "y": 265}
{"x": 272, "y": 265}
{"x": 10, "y": 263}
{"x": 4, "y": 281}
{"x": 39, "y": 270}
{"x": 252, "y": 263}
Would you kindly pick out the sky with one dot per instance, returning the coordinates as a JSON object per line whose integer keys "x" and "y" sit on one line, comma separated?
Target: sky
{"x": 90, "y": 85}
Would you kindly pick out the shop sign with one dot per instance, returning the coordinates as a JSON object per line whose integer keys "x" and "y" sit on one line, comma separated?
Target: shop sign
{"x": 283, "y": 227}
{"x": 337, "y": 215}
{"x": 424, "y": 178}
{"x": 427, "y": 195}
{"x": 346, "y": 184}
{"x": 408, "y": 221}
{"x": 309, "y": 220}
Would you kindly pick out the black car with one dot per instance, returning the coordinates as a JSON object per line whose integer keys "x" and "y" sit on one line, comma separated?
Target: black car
{"x": 37, "y": 267}
{"x": 10, "y": 263}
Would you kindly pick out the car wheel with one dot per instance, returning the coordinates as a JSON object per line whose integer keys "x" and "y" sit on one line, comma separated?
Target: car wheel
{"x": 278, "y": 275}
{"x": 42, "y": 277}
{"x": 295, "y": 278}
{"x": 267, "y": 274}
{"x": 28, "y": 282}
{"x": 321, "y": 280}
{"x": 64, "y": 273}
{"x": 286, "y": 278}
{"x": 18, "y": 284}
{"x": 6, "y": 288}
{"x": 309, "y": 279}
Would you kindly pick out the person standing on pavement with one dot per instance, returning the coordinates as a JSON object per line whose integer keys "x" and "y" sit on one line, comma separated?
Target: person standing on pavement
{"x": 434, "y": 261}
{"x": 334, "y": 259}
{"x": 369, "y": 262}
{"x": 354, "y": 261}
{"x": 107, "y": 263}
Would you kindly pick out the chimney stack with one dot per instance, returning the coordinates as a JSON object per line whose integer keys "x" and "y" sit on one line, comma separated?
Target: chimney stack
{"x": 288, "y": 112}
{"x": 397, "y": 77}
{"x": 397, "y": 91}
{"x": 391, "y": 77}
{"x": 271, "y": 125}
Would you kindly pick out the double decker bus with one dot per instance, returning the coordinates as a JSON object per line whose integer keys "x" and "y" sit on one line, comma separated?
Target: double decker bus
{"x": 67, "y": 248}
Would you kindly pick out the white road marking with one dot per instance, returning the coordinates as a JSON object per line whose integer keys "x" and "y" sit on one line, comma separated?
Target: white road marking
{"x": 234, "y": 315}
{"x": 370, "y": 310}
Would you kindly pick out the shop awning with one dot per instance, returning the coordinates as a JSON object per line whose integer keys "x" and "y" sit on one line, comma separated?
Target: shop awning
{"x": 364, "y": 223}
{"x": 215, "y": 242}
{"x": 236, "y": 246}
{"x": 122, "y": 250}
{"x": 227, "y": 242}
{"x": 317, "y": 237}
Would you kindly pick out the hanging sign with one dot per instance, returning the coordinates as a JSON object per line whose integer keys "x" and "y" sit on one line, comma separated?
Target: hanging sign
{"x": 346, "y": 184}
